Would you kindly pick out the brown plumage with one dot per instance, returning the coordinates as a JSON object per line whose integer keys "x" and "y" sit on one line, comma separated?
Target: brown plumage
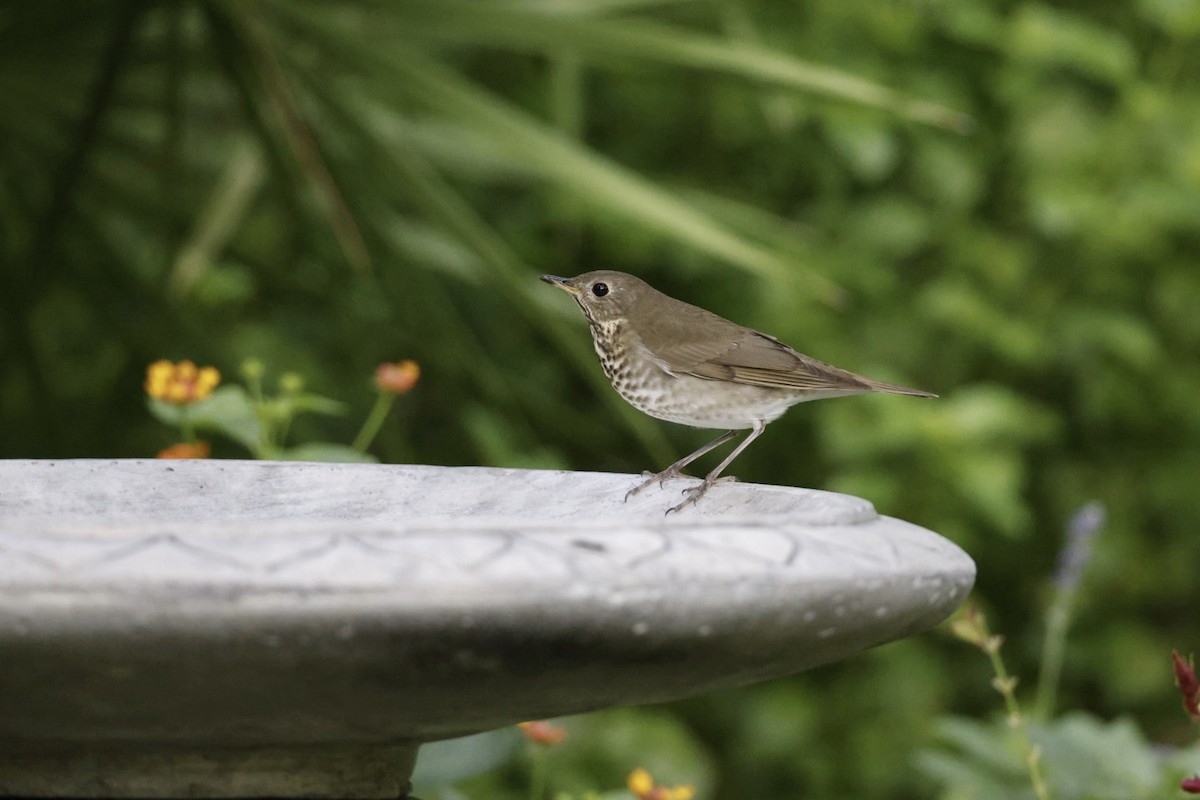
{"x": 678, "y": 362}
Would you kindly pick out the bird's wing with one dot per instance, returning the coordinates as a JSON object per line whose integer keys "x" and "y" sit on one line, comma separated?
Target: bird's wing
{"x": 701, "y": 344}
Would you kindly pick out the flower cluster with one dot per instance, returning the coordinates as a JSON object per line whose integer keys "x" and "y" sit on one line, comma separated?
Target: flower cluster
{"x": 542, "y": 732}
{"x": 643, "y": 787}
{"x": 197, "y": 449}
{"x": 1189, "y": 688}
{"x": 257, "y": 420}
{"x": 398, "y": 377}
{"x": 181, "y": 383}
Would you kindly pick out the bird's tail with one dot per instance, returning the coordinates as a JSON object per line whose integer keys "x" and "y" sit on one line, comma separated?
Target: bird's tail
{"x": 891, "y": 388}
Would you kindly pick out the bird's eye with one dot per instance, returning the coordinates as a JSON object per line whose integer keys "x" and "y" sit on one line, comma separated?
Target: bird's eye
{"x": 600, "y": 289}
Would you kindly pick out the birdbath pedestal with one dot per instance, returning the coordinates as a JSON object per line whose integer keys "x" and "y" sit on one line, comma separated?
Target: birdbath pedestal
{"x": 251, "y": 629}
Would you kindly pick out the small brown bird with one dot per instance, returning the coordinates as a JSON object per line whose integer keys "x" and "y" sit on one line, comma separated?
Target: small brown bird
{"x": 678, "y": 362}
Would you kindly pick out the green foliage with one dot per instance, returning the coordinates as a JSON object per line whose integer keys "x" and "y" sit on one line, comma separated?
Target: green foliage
{"x": 1083, "y": 758}
{"x": 327, "y": 186}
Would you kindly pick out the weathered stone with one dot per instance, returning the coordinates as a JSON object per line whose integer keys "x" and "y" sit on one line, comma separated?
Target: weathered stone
{"x": 189, "y": 609}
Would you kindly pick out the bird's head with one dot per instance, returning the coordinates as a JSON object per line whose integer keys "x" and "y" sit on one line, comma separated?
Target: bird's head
{"x": 604, "y": 295}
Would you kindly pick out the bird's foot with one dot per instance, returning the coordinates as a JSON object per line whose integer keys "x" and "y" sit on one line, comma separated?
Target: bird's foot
{"x": 694, "y": 493}
{"x": 655, "y": 477}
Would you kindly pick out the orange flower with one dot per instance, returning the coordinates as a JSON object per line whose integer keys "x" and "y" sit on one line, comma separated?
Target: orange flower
{"x": 181, "y": 383}
{"x": 542, "y": 732}
{"x": 397, "y": 378}
{"x": 643, "y": 787}
{"x": 198, "y": 449}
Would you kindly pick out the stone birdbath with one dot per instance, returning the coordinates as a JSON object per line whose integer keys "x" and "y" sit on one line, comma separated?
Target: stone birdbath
{"x": 251, "y": 629}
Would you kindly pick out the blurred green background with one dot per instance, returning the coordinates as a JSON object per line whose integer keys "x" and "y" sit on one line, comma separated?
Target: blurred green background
{"x": 996, "y": 201}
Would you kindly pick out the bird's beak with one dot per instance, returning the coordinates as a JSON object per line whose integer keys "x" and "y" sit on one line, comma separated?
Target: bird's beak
{"x": 562, "y": 283}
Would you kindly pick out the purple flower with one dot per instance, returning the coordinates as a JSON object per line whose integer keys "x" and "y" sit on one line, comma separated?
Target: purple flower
{"x": 1083, "y": 526}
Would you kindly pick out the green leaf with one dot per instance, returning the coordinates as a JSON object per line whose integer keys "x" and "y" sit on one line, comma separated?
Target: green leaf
{"x": 229, "y": 411}
{"x": 252, "y": 63}
{"x": 326, "y": 451}
{"x": 614, "y": 41}
{"x": 1048, "y": 37}
{"x": 1087, "y": 757}
{"x": 987, "y": 744}
{"x": 596, "y": 180}
{"x": 311, "y": 403}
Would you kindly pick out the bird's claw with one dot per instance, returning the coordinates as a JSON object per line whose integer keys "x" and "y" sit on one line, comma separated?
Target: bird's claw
{"x": 694, "y": 493}
{"x": 652, "y": 478}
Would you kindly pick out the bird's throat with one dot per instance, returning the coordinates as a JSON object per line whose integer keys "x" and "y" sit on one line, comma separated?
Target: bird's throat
{"x": 610, "y": 340}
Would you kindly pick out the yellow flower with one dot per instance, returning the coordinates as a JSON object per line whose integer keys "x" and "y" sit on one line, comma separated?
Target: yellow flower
{"x": 180, "y": 383}
{"x": 640, "y": 782}
{"x": 542, "y": 732}
{"x": 397, "y": 378}
{"x": 198, "y": 449}
{"x": 642, "y": 785}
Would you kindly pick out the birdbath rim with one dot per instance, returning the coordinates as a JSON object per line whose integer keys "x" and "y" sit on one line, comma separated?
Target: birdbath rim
{"x": 298, "y": 605}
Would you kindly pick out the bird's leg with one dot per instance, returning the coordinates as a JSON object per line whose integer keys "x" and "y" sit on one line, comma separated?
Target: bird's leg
{"x": 694, "y": 493}
{"x": 676, "y": 469}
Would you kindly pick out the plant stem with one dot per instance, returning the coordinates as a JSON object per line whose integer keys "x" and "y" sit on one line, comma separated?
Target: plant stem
{"x": 1053, "y": 646}
{"x": 1072, "y": 562}
{"x": 265, "y": 448}
{"x": 383, "y": 404}
{"x": 537, "y": 774}
{"x": 186, "y": 428}
{"x": 1006, "y": 686}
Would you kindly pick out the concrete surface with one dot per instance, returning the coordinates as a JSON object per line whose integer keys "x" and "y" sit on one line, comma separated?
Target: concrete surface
{"x": 228, "y": 615}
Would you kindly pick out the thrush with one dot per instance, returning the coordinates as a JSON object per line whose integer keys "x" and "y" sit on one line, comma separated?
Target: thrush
{"x": 677, "y": 362}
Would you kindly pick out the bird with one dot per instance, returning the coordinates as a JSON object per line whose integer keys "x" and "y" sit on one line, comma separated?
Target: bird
{"x": 680, "y": 363}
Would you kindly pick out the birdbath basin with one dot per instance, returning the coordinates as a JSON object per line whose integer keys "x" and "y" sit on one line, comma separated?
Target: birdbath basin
{"x": 237, "y": 629}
